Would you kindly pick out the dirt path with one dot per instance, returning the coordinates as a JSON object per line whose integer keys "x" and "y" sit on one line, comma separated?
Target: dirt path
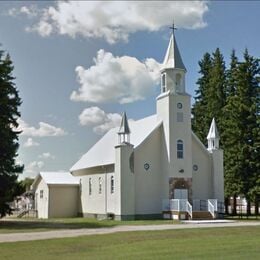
{"x": 14, "y": 237}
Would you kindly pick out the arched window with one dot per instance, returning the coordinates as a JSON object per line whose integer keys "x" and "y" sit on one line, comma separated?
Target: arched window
{"x": 89, "y": 186}
{"x": 178, "y": 79}
{"x": 99, "y": 185}
{"x": 163, "y": 82}
{"x": 112, "y": 184}
{"x": 178, "y": 82}
{"x": 180, "y": 149}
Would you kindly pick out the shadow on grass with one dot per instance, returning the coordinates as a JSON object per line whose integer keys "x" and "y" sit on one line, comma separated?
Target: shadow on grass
{"x": 243, "y": 217}
{"x": 31, "y": 225}
{"x": 27, "y": 225}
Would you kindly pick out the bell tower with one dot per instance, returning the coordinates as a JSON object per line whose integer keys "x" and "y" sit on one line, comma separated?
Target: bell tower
{"x": 173, "y": 108}
{"x": 173, "y": 70}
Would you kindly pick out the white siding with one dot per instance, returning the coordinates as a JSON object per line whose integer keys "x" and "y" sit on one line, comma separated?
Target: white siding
{"x": 202, "y": 178}
{"x": 149, "y": 182}
{"x": 63, "y": 201}
{"x": 42, "y": 204}
{"x": 96, "y": 203}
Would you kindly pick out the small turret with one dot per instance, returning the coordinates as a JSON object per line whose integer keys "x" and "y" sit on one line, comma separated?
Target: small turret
{"x": 213, "y": 136}
{"x": 124, "y": 131}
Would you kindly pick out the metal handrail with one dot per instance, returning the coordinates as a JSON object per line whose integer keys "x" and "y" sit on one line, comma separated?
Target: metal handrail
{"x": 211, "y": 209}
{"x": 189, "y": 209}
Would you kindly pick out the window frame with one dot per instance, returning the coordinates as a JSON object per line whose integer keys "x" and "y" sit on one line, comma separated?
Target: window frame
{"x": 180, "y": 149}
{"x": 112, "y": 184}
{"x": 99, "y": 185}
{"x": 89, "y": 186}
{"x": 163, "y": 82}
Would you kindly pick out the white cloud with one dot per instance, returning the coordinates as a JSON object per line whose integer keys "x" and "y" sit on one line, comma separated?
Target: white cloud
{"x": 116, "y": 79}
{"x": 43, "y": 130}
{"x": 30, "y": 142}
{"x": 99, "y": 120}
{"x": 33, "y": 168}
{"x": 115, "y": 20}
{"x": 29, "y": 11}
{"x": 46, "y": 155}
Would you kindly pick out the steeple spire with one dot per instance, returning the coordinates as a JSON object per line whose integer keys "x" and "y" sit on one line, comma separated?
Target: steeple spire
{"x": 172, "y": 58}
{"x": 124, "y": 130}
{"x": 213, "y": 136}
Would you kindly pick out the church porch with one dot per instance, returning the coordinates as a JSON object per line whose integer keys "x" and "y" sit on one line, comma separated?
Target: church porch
{"x": 180, "y": 209}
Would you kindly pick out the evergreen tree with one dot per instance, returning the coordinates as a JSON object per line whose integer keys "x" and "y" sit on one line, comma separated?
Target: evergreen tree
{"x": 199, "y": 109}
{"x": 241, "y": 135}
{"x": 232, "y": 96}
{"x": 231, "y": 136}
{"x": 9, "y": 103}
{"x": 211, "y": 94}
{"x": 216, "y": 92}
{"x": 248, "y": 109}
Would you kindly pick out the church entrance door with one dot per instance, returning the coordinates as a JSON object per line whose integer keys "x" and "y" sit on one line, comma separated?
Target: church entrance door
{"x": 181, "y": 194}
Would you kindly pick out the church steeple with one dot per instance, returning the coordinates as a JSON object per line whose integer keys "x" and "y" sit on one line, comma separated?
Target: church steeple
{"x": 173, "y": 70}
{"x": 124, "y": 130}
{"x": 213, "y": 136}
{"x": 172, "y": 59}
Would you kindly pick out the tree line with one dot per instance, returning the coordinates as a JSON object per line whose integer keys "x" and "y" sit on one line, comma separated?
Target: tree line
{"x": 231, "y": 95}
{"x": 9, "y": 114}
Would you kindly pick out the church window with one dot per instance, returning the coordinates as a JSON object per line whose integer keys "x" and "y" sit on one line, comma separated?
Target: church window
{"x": 41, "y": 194}
{"x": 178, "y": 80}
{"x": 195, "y": 167}
{"x": 179, "y": 117}
{"x": 163, "y": 83}
{"x": 99, "y": 185}
{"x": 112, "y": 184}
{"x": 180, "y": 149}
{"x": 179, "y": 105}
{"x": 89, "y": 186}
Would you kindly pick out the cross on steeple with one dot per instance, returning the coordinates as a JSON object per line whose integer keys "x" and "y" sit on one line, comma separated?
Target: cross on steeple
{"x": 172, "y": 27}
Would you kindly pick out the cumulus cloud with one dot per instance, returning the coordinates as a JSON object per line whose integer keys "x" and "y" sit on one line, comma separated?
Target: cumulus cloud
{"x": 30, "y": 142}
{"x": 116, "y": 79}
{"x": 99, "y": 120}
{"x": 29, "y": 11}
{"x": 46, "y": 155}
{"x": 115, "y": 20}
{"x": 33, "y": 168}
{"x": 43, "y": 130}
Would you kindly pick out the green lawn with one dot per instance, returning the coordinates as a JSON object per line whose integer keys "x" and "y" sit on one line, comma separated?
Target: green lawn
{"x": 33, "y": 225}
{"x": 213, "y": 243}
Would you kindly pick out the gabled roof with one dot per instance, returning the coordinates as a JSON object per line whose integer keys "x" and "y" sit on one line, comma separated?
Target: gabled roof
{"x": 213, "y": 131}
{"x": 124, "y": 127}
{"x": 103, "y": 152}
{"x": 57, "y": 178}
{"x": 172, "y": 58}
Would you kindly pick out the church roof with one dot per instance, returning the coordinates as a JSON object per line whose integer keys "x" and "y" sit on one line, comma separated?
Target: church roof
{"x": 172, "y": 58}
{"x": 103, "y": 152}
{"x": 124, "y": 127}
{"x": 57, "y": 178}
{"x": 213, "y": 131}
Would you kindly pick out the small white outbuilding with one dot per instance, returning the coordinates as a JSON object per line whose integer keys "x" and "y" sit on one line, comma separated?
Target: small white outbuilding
{"x": 56, "y": 194}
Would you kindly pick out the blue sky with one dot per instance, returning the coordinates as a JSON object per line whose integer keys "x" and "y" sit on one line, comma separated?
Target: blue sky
{"x": 79, "y": 65}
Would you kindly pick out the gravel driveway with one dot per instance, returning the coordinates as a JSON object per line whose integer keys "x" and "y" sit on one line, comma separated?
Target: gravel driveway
{"x": 14, "y": 237}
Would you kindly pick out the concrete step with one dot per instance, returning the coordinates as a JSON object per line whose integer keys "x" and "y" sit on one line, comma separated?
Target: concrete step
{"x": 201, "y": 215}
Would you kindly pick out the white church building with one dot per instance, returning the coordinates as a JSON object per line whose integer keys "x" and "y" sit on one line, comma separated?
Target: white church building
{"x": 154, "y": 167}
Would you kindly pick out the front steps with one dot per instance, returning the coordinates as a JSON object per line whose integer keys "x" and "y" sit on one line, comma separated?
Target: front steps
{"x": 201, "y": 215}
{"x": 196, "y": 215}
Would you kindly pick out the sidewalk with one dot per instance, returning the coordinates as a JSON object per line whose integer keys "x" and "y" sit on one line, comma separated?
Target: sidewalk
{"x": 14, "y": 237}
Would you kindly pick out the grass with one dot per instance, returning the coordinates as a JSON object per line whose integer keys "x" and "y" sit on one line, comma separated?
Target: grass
{"x": 34, "y": 225}
{"x": 212, "y": 243}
